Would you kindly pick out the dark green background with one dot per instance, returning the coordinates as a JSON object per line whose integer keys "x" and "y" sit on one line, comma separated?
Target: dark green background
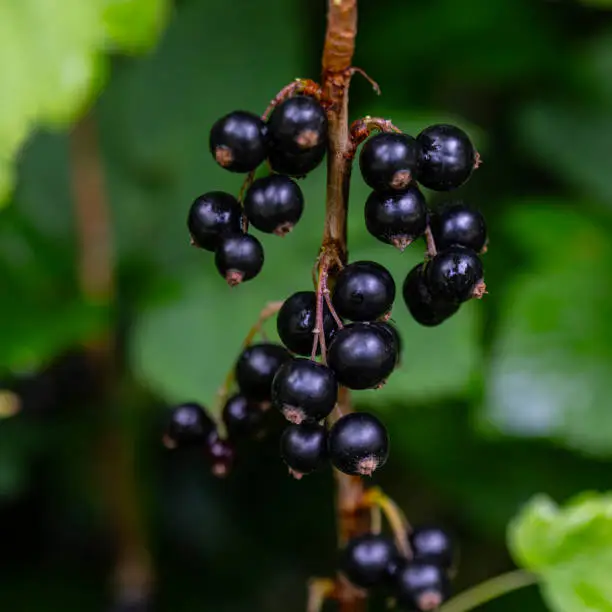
{"x": 509, "y": 398}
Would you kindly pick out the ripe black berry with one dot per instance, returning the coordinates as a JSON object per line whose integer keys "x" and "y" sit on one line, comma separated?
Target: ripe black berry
{"x": 242, "y": 416}
{"x": 361, "y": 355}
{"x": 239, "y": 257}
{"x": 221, "y": 455}
{"x": 388, "y": 161}
{"x": 358, "y": 444}
{"x": 421, "y": 586}
{"x": 366, "y": 559}
{"x": 396, "y": 218}
{"x": 447, "y": 157}
{"x": 298, "y": 164}
{"x": 189, "y": 424}
{"x": 455, "y": 274}
{"x": 304, "y": 390}
{"x": 393, "y": 334}
{"x": 304, "y": 447}
{"x": 238, "y": 141}
{"x": 432, "y": 545}
{"x": 256, "y": 368}
{"x": 212, "y": 215}
{"x": 458, "y": 224}
{"x": 296, "y": 320}
{"x": 274, "y": 204}
{"x": 425, "y": 308}
{"x": 364, "y": 291}
{"x": 298, "y": 124}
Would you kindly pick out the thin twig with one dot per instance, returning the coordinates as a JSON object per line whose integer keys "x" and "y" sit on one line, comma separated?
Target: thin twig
{"x": 133, "y": 569}
{"x": 489, "y": 590}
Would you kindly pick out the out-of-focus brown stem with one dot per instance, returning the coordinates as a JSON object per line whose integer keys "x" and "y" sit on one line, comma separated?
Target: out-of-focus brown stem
{"x": 337, "y": 58}
{"x": 113, "y": 457}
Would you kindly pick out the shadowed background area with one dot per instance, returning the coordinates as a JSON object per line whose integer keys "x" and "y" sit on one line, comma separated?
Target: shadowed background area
{"x": 507, "y": 399}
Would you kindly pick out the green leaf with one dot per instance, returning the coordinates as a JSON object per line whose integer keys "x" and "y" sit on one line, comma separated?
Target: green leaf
{"x": 53, "y": 61}
{"x": 549, "y": 373}
{"x": 570, "y": 548}
{"x": 571, "y": 143}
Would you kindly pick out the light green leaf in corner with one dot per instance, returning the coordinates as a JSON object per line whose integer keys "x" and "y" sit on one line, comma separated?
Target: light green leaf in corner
{"x": 53, "y": 62}
{"x": 569, "y": 548}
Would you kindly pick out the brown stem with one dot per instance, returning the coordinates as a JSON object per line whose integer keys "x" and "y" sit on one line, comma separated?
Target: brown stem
{"x": 113, "y": 457}
{"x": 337, "y": 58}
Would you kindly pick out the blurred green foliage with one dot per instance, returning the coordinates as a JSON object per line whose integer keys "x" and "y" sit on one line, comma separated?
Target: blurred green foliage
{"x": 507, "y": 400}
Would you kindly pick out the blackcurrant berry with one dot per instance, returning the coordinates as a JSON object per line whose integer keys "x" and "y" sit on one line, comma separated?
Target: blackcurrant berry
{"x": 358, "y": 444}
{"x": 388, "y": 161}
{"x": 239, "y": 257}
{"x": 455, "y": 274}
{"x": 421, "y": 586}
{"x": 361, "y": 355}
{"x": 393, "y": 334}
{"x": 366, "y": 559}
{"x": 457, "y": 224}
{"x": 364, "y": 291}
{"x": 189, "y": 424}
{"x": 296, "y": 321}
{"x": 396, "y": 218}
{"x": 304, "y": 447}
{"x": 422, "y": 305}
{"x": 242, "y": 416}
{"x": 298, "y": 124}
{"x": 274, "y": 204}
{"x": 212, "y": 215}
{"x": 447, "y": 157}
{"x": 432, "y": 545}
{"x": 221, "y": 454}
{"x": 256, "y": 368}
{"x": 304, "y": 390}
{"x": 238, "y": 141}
{"x": 296, "y": 164}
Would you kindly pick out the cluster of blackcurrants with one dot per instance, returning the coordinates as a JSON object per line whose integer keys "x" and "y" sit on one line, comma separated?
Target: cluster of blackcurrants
{"x": 293, "y": 141}
{"x": 441, "y": 158}
{"x": 421, "y": 583}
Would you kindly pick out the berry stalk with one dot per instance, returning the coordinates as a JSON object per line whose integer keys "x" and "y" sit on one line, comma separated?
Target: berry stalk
{"x": 337, "y": 58}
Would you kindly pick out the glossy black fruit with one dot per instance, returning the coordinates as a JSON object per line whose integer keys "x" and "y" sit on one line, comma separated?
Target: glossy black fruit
{"x": 238, "y": 141}
{"x": 296, "y": 320}
{"x": 388, "y": 161}
{"x": 304, "y": 447}
{"x": 396, "y": 218}
{"x": 358, "y": 444}
{"x": 393, "y": 334}
{"x": 242, "y": 416}
{"x": 432, "y": 545}
{"x": 421, "y": 586}
{"x": 304, "y": 390}
{"x": 361, "y": 355}
{"x": 189, "y": 425}
{"x": 239, "y": 257}
{"x": 274, "y": 204}
{"x": 366, "y": 559}
{"x": 221, "y": 454}
{"x": 364, "y": 291}
{"x": 457, "y": 224}
{"x": 256, "y": 367}
{"x": 296, "y": 164}
{"x": 212, "y": 215}
{"x": 297, "y": 125}
{"x": 455, "y": 274}
{"x": 422, "y": 305}
{"x": 447, "y": 157}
